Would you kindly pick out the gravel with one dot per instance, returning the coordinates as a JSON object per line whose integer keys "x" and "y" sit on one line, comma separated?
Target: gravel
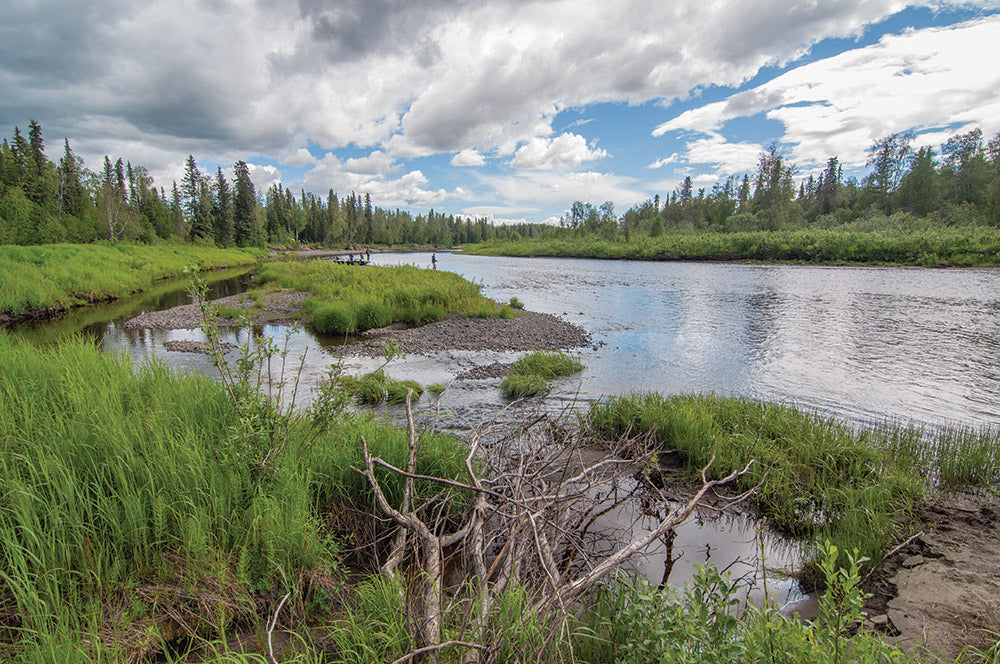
{"x": 526, "y": 332}
{"x": 530, "y": 331}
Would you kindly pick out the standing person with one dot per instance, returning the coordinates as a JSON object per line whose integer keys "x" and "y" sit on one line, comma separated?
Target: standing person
{"x": 434, "y": 261}
{"x": 368, "y": 254}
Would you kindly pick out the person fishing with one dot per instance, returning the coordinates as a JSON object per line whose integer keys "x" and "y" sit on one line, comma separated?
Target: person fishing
{"x": 434, "y": 261}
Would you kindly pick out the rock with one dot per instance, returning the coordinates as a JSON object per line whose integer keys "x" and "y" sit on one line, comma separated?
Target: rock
{"x": 913, "y": 561}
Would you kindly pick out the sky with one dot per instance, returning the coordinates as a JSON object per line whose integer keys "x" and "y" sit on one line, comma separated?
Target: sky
{"x": 504, "y": 109}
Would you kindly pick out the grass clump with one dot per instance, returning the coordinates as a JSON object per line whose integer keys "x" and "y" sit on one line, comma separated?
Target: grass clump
{"x": 60, "y": 276}
{"x": 813, "y": 477}
{"x": 531, "y": 373}
{"x": 346, "y": 299}
{"x": 376, "y": 388}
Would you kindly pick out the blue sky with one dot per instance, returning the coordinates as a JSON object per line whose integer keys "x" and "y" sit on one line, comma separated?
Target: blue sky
{"x": 506, "y": 109}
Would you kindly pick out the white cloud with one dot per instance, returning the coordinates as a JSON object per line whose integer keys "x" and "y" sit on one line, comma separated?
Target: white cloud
{"x": 563, "y": 151}
{"x": 376, "y": 163}
{"x": 660, "y": 163}
{"x": 350, "y": 175}
{"x": 468, "y": 158}
{"x": 477, "y": 211}
{"x": 726, "y": 157}
{"x": 302, "y": 157}
{"x": 263, "y": 176}
{"x": 556, "y": 188}
{"x": 839, "y": 105}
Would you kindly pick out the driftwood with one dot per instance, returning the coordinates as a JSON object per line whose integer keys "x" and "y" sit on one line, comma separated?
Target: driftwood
{"x": 536, "y": 501}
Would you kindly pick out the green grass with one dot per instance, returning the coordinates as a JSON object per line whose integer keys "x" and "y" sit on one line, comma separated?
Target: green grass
{"x": 376, "y": 388}
{"x": 531, "y": 373}
{"x": 64, "y": 276}
{"x": 966, "y": 247}
{"x": 348, "y": 299}
{"x": 130, "y": 495}
{"x": 812, "y": 477}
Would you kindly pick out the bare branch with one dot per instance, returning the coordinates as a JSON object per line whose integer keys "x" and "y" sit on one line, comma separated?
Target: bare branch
{"x": 447, "y": 644}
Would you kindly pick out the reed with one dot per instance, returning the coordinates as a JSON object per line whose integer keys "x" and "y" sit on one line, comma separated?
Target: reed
{"x": 129, "y": 495}
{"x": 346, "y": 299}
{"x": 60, "y": 276}
{"x": 531, "y": 373}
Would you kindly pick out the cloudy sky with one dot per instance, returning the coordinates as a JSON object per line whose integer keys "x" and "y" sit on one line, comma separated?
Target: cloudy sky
{"x": 510, "y": 109}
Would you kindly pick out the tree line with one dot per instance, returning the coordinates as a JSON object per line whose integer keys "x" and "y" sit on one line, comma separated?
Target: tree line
{"x": 44, "y": 202}
{"x": 957, "y": 185}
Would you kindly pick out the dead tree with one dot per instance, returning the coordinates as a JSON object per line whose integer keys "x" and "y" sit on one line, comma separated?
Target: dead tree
{"x": 536, "y": 500}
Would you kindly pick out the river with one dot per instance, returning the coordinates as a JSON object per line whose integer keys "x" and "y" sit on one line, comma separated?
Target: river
{"x": 860, "y": 343}
{"x": 863, "y": 344}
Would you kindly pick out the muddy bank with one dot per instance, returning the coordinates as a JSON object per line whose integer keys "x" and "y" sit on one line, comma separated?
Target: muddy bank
{"x": 941, "y": 592}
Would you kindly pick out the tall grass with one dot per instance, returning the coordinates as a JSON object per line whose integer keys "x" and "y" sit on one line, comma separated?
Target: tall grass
{"x": 347, "y": 299}
{"x": 129, "y": 497}
{"x": 925, "y": 247}
{"x": 65, "y": 275}
{"x": 812, "y": 476}
{"x": 531, "y": 373}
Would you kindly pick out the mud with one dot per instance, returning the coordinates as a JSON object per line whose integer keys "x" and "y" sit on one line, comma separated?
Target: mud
{"x": 941, "y": 592}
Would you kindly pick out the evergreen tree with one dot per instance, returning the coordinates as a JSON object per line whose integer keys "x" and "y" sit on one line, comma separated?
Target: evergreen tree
{"x": 244, "y": 207}
{"x": 222, "y": 210}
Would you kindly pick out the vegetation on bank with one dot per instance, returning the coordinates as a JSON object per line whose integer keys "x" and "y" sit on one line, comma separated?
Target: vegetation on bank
{"x": 138, "y": 507}
{"x": 812, "y": 477}
{"x": 348, "y": 299}
{"x": 146, "y": 515}
{"x": 953, "y": 247}
{"x": 62, "y": 276}
{"x": 531, "y": 373}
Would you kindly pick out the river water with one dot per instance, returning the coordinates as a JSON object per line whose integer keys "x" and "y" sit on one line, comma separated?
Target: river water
{"x": 913, "y": 344}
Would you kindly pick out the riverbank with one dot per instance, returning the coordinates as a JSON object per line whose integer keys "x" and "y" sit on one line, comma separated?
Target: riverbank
{"x": 940, "y": 593}
{"x": 42, "y": 282}
{"x": 939, "y": 247}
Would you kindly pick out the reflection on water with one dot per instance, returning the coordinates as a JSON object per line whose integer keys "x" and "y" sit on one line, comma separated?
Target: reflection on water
{"x": 859, "y": 343}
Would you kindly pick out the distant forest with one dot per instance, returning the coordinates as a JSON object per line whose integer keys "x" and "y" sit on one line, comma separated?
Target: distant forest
{"x": 43, "y": 202}
{"x": 906, "y": 188}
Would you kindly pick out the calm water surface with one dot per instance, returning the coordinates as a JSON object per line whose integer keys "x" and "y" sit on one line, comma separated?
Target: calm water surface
{"x": 858, "y": 343}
